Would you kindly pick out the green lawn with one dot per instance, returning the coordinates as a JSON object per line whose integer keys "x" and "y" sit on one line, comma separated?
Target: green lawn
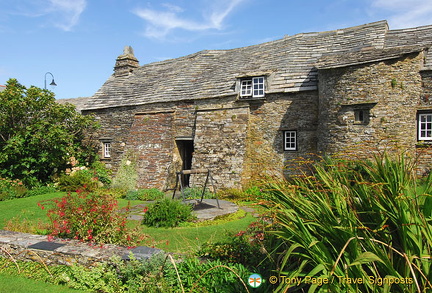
{"x": 18, "y": 284}
{"x": 179, "y": 240}
{"x": 189, "y": 239}
{"x": 25, "y": 208}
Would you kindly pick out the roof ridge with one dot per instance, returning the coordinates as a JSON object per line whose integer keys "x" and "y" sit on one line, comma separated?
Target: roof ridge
{"x": 350, "y": 28}
{"x": 410, "y": 29}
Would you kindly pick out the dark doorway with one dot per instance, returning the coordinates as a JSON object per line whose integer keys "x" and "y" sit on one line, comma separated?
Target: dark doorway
{"x": 186, "y": 149}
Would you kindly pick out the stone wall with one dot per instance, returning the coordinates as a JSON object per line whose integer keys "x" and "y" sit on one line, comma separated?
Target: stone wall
{"x": 238, "y": 140}
{"x": 151, "y": 143}
{"x": 146, "y": 133}
{"x": 268, "y": 120}
{"x": 115, "y": 125}
{"x": 424, "y": 150}
{"x": 220, "y": 143}
{"x": 388, "y": 92}
{"x": 57, "y": 251}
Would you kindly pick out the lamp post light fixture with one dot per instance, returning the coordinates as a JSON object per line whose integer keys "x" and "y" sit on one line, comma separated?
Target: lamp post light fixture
{"x": 52, "y": 82}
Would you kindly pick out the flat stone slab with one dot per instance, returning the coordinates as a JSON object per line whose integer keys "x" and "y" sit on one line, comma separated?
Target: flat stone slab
{"x": 141, "y": 252}
{"x": 46, "y": 245}
{"x": 208, "y": 209}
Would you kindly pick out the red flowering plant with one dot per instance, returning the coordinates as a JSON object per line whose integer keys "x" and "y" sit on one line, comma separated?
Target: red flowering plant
{"x": 90, "y": 217}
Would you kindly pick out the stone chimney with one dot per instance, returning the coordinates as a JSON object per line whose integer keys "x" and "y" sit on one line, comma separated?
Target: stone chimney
{"x": 126, "y": 62}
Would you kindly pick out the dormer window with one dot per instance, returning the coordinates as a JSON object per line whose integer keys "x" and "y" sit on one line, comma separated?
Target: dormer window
{"x": 252, "y": 87}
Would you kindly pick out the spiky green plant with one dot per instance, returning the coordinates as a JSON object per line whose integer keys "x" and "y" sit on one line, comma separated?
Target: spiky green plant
{"x": 361, "y": 226}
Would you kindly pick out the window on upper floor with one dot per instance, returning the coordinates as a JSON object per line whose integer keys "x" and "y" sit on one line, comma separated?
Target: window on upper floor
{"x": 424, "y": 126}
{"x": 252, "y": 87}
{"x": 290, "y": 140}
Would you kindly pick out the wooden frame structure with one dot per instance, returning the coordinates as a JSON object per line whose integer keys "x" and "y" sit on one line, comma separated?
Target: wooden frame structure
{"x": 190, "y": 172}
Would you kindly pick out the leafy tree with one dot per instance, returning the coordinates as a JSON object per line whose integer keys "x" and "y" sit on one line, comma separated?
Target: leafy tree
{"x": 39, "y": 135}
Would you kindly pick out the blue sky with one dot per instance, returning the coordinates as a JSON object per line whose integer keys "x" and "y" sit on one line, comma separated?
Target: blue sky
{"x": 79, "y": 40}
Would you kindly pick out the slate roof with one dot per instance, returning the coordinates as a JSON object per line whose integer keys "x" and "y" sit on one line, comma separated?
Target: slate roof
{"x": 365, "y": 56}
{"x": 290, "y": 65}
{"x": 78, "y": 102}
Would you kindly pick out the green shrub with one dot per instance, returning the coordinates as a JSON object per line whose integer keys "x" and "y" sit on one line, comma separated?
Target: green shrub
{"x": 356, "y": 219}
{"x": 250, "y": 194}
{"x": 101, "y": 173}
{"x": 158, "y": 275}
{"x": 79, "y": 177}
{"x": 254, "y": 192}
{"x": 127, "y": 176}
{"x": 10, "y": 189}
{"x": 119, "y": 276}
{"x": 77, "y": 180}
{"x": 196, "y": 192}
{"x": 167, "y": 213}
{"x": 250, "y": 248}
{"x": 145, "y": 194}
{"x": 41, "y": 190}
{"x": 33, "y": 270}
{"x": 208, "y": 276}
{"x": 113, "y": 192}
{"x": 236, "y": 250}
{"x": 100, "y": 278}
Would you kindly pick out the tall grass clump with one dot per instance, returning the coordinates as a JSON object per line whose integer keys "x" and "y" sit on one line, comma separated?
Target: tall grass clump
{"x": 127, "y": 176}
{"x": 354, "y": 226}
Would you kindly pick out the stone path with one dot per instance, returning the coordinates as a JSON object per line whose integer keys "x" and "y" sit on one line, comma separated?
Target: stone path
{"x": 208, "y": 209}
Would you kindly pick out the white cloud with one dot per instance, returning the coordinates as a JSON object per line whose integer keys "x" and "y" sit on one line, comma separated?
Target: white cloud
{"x": 66, "y": 13}
{"x": 161, "y": 23}
{"x": 405, "y": 13}
{"x": 63, "y": 14}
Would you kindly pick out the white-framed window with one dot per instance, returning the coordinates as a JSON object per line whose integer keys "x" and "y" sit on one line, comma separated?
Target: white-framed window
{"x": 246, "y": 88}
{"x": 258, "y": 87}
{"x": 252, "y": 87}
{"x": 425, "y": 126}
{"x": 290, "y": 140}
{"x": 106, "y": 149}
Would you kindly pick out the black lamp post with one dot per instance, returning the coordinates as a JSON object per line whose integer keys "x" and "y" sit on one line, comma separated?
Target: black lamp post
{"x": 52, "y": 82}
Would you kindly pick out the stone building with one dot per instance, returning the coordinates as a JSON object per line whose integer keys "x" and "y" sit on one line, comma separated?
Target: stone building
{"x": 245, "y": 111}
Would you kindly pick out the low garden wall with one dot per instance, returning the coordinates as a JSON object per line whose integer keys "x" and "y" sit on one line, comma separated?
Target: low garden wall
{"x": 57, "y": 251}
